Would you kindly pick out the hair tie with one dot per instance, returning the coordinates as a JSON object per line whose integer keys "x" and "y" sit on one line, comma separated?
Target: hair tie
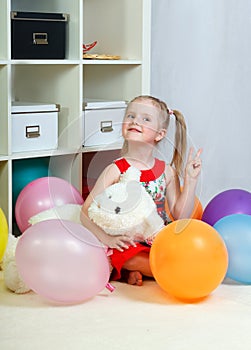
{"x": 170, "y": 111}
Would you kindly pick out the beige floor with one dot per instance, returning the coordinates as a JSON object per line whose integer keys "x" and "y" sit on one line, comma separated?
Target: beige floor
{"x": 129, "y": 318}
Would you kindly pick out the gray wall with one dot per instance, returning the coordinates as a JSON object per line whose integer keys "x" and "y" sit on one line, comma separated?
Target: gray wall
{"x": 201, "y": 65}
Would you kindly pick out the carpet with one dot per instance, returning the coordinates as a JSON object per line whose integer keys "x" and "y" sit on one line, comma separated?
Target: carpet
{"x": 130, "y": 318}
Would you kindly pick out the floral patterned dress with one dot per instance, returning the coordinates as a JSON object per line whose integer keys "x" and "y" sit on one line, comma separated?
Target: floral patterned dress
{"x": 157, "y": 189}
{"x": 154, "y": 182}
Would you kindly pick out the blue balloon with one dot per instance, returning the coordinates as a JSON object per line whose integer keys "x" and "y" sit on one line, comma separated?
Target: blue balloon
{"x": 236, "y": 233}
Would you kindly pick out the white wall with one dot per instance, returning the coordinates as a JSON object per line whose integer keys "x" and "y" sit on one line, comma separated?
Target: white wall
{"x": 201, "y": 65}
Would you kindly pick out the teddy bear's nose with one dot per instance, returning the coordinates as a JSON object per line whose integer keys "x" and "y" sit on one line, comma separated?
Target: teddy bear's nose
{"x": 117, "y": 210}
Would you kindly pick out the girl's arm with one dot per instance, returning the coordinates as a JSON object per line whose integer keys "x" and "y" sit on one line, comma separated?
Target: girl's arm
{"x": 181, "y": 204}
{"x": 109, "y": 176}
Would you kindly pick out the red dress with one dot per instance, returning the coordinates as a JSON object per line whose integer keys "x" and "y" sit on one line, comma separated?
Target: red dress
{"x": 155, "y": 183}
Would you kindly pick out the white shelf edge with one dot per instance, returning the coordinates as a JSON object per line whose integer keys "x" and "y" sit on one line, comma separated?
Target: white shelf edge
{"x": 71, "y": 62}
{"x": 27, "y": 155}
{"x": 3, "y": 158}
{"x": 108, "y": 147}
{"x": 59, "y": 152}
{"x": 46, "y": 62}
{"x": 41, "y": 153}
{"x": 118, "y": 62}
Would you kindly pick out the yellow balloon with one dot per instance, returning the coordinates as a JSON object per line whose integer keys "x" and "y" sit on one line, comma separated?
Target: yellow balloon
{"x": 3, "y": 233}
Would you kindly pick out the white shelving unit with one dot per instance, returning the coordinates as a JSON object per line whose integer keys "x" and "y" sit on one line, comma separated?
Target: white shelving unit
{"x": 121, "y": 27}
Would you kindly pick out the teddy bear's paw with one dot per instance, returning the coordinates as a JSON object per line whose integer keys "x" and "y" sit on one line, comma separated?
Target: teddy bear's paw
{"x": 139, "y": 237}
{"x": 13, "y": 280}
{"x": 22, "y": 289}
{"x": 9, "y": 253}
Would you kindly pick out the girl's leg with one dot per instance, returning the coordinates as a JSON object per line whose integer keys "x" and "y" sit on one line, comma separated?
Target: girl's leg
{"x": 138, "y": 266}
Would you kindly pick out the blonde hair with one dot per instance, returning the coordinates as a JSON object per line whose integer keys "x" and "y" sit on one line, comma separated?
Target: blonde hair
{"x": 180, "y": 142}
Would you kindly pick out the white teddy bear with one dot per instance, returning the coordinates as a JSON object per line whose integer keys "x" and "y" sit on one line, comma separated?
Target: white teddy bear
{"x": 126, "y": 207}
{"x": 11, "y": 276}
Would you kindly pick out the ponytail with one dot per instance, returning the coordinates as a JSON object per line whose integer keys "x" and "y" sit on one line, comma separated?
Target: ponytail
{"x": 180, "y": 143}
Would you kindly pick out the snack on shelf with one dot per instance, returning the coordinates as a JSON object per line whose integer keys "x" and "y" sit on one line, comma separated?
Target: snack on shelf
{"x": 97, "y": 56}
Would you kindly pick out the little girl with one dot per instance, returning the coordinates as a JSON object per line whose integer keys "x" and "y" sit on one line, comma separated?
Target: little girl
{"x": 144, "y": 126}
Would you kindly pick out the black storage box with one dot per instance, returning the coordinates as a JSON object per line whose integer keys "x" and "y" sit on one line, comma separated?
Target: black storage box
{"x": 37, "y": 35}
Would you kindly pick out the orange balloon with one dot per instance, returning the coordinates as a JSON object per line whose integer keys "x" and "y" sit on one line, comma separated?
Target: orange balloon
{"x": 197, "y": 210}
{"x": 188, "y": 259}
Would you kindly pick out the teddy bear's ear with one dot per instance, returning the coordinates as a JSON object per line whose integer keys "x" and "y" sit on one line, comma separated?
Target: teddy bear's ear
{"x": 131, "y": 174}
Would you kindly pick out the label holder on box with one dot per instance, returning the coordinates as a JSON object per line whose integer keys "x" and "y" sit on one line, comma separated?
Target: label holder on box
{"x": 106, "y": 126}
{"x": 32, "y": 131}
{"x": 40, "y": 38}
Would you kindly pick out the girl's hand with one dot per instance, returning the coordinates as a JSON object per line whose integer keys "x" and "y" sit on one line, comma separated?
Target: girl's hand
{"x": 120, "y": 242}
{"x": 193, "y": 166}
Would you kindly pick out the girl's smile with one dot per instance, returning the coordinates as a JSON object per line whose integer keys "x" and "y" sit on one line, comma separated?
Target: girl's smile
{"x": 134, "y": 129}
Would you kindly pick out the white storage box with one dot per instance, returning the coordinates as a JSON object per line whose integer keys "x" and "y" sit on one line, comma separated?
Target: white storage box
{"x": 102, "y": 122}
{"x": 34, "y": 126}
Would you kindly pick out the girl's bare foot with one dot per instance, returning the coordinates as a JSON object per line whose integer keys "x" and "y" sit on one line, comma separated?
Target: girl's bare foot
{"x": 135, "y": 278}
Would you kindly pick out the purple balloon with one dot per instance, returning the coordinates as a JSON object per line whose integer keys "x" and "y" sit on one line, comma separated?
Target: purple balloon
{"x": 226, "y": 203}
{"x": 62, "y": 261}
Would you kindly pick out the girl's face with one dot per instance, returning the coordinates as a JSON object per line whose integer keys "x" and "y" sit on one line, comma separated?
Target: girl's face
{"x": 142, "y": 123}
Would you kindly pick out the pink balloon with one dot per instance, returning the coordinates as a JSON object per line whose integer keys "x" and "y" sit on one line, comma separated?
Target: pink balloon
{"x": 62, "y": 261}
{"x": 42, "y": 194}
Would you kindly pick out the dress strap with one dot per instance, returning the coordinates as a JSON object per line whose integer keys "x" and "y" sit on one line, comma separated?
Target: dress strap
{"x": 122, "y": 164}
{"x": 146, "y": 175}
